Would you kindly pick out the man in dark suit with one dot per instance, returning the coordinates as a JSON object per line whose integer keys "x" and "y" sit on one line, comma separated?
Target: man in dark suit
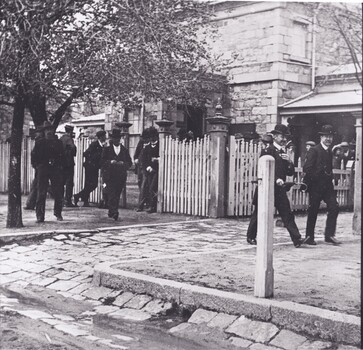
{"x": 150, "y": 165}
{"x": 141, "y": 172}
{"x": 32, "y": 197}
{"x": 319, "y": 178}
{"x": 48, "y": 160}
{"x": 92, "y": 165}
{"x": 115, "y": 161}
{"x": 70, "y": 151}
{"x": 283, "y": 167}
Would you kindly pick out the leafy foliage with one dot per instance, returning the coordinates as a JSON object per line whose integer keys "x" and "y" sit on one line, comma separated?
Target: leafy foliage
{"x": 119, "y": 49}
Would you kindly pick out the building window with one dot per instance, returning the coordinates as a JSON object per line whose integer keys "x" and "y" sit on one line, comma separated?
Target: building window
{"x": 299, "y": 39}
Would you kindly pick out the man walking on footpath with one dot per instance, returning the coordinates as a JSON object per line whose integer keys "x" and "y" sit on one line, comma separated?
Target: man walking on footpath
{"x": 318, "y": 170}
{"x": 150, "y": 164}
{"x": 92, "y": 165}
{"x": 141, "y": 172}
{"x": 115, "y": 161}
{"x": 48, "y": 160}
{"x": 283, "y": 167}
{"x": 32, "y": 197}
{"x": 70, "y": 151}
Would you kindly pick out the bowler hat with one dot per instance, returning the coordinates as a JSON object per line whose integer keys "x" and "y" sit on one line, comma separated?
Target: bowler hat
{"x": 153, "y": 133}
{"x": 326, "y": 130}
{"x": 69, "y": 128}
{"x": 145, "y": 134}
{"x": 116, "y": 133}
{"x": 100, "y": 133}
{"x": 280, "y": 129}
{"x": 267, "y": 138}
{"x": 310, "y": 143}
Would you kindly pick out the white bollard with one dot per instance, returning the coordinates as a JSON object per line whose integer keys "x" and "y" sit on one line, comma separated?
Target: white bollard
{"x": 264, "y": 277}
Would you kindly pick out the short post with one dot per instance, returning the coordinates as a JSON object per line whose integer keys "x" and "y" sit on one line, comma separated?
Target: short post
{"x": 164, "y": 131}
{"x": 124, "y": 126}
{"x": 218, "y": 142}
{"x": 357, "y": 210}
{"x": 264, "y": 277}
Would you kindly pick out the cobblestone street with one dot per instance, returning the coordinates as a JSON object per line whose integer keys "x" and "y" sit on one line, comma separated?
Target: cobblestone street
{"x": 63, "y": 265}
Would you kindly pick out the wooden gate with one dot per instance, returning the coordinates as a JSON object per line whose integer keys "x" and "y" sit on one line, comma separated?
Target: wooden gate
{"x": 186, "y": 176}
{"x": 242, "y": 181}
{"x": 242, "y": 176}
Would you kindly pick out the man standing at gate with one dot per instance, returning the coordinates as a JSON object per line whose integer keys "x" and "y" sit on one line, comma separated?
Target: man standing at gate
{"x": 283, "y": 167}
{"x": 70, "y": 151}
{"x": 318, "y": 170}
{"x": 115, "y": 161}
{"x": 92, "y": 165}
{"x": 48, "y": 160}
{"x": 150, "y": 164}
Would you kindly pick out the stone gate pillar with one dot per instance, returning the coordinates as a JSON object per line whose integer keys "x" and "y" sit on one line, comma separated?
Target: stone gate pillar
{"x": 125, "y": 136}
{"x": 164, "y": 131}
{"x": 218, "y": 142}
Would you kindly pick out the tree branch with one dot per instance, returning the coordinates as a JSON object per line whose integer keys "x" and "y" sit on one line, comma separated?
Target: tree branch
{"x": 6, "y": 103}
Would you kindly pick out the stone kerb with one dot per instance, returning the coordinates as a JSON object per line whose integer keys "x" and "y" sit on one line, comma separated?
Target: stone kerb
{"x": 325, "y": 324}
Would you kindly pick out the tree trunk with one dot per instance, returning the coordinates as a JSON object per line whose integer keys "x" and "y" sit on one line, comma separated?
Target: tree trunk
{"x": 14, "y": 218}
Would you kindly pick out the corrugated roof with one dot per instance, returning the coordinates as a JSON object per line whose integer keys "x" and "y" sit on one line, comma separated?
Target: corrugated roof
{"x": 343, "y": 101}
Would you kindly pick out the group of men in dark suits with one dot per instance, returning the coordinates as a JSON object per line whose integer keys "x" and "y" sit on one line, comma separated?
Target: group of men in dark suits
{"x": 319, "y": 181}
{"x": 53, "y": 160}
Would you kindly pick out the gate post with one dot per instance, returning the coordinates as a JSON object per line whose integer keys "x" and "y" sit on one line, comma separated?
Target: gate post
{"x": 264, "y": 277}
{"x": 357, "y": 215}
{"x": 124, "y": 126}
{"x": 218, "y": 142}
{"x": 164, "y": 131}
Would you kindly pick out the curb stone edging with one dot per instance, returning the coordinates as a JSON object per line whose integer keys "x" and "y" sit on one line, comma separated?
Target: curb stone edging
{"x": 16, "y": 237}
{"x": 316, "y": 322}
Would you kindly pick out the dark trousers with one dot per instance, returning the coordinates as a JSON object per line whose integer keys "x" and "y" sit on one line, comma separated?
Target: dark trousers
{"x": 31, "y": 201}
{"x": 113, "y": 190}
{"x": 152, "y": 183}
{"x": 90, "y": 183}
{"x": 328, "y": 195}
{"x": 282, "y": 205}
{"x": 68, "y": 174}
{"x": 143, "y": 184}
{"x": 44, "y": 174}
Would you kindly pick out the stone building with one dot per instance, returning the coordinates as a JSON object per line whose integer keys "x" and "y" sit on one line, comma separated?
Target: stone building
{"x": 270, "y": 52}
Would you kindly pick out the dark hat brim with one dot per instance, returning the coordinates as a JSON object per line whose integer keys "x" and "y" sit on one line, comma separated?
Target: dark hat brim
{"x": 274, "y": 132}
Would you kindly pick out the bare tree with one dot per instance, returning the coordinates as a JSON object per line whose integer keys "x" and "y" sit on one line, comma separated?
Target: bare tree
{"x": 345, "y": 20}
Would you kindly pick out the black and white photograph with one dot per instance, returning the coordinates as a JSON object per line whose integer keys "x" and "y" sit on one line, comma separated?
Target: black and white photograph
{"x": 180, "y": 175}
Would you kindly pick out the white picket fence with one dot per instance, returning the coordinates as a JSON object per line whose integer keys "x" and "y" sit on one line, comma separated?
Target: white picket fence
{"x": 242, "y": 180}
{"x": 242, "y": 176}
{"x": 185, "y": 168}
{"x": 27, "y": 171}
{"x": 186, "y": 176}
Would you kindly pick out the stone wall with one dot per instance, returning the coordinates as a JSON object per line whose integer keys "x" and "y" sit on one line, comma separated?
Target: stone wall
{"x": 258, "y": 45}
